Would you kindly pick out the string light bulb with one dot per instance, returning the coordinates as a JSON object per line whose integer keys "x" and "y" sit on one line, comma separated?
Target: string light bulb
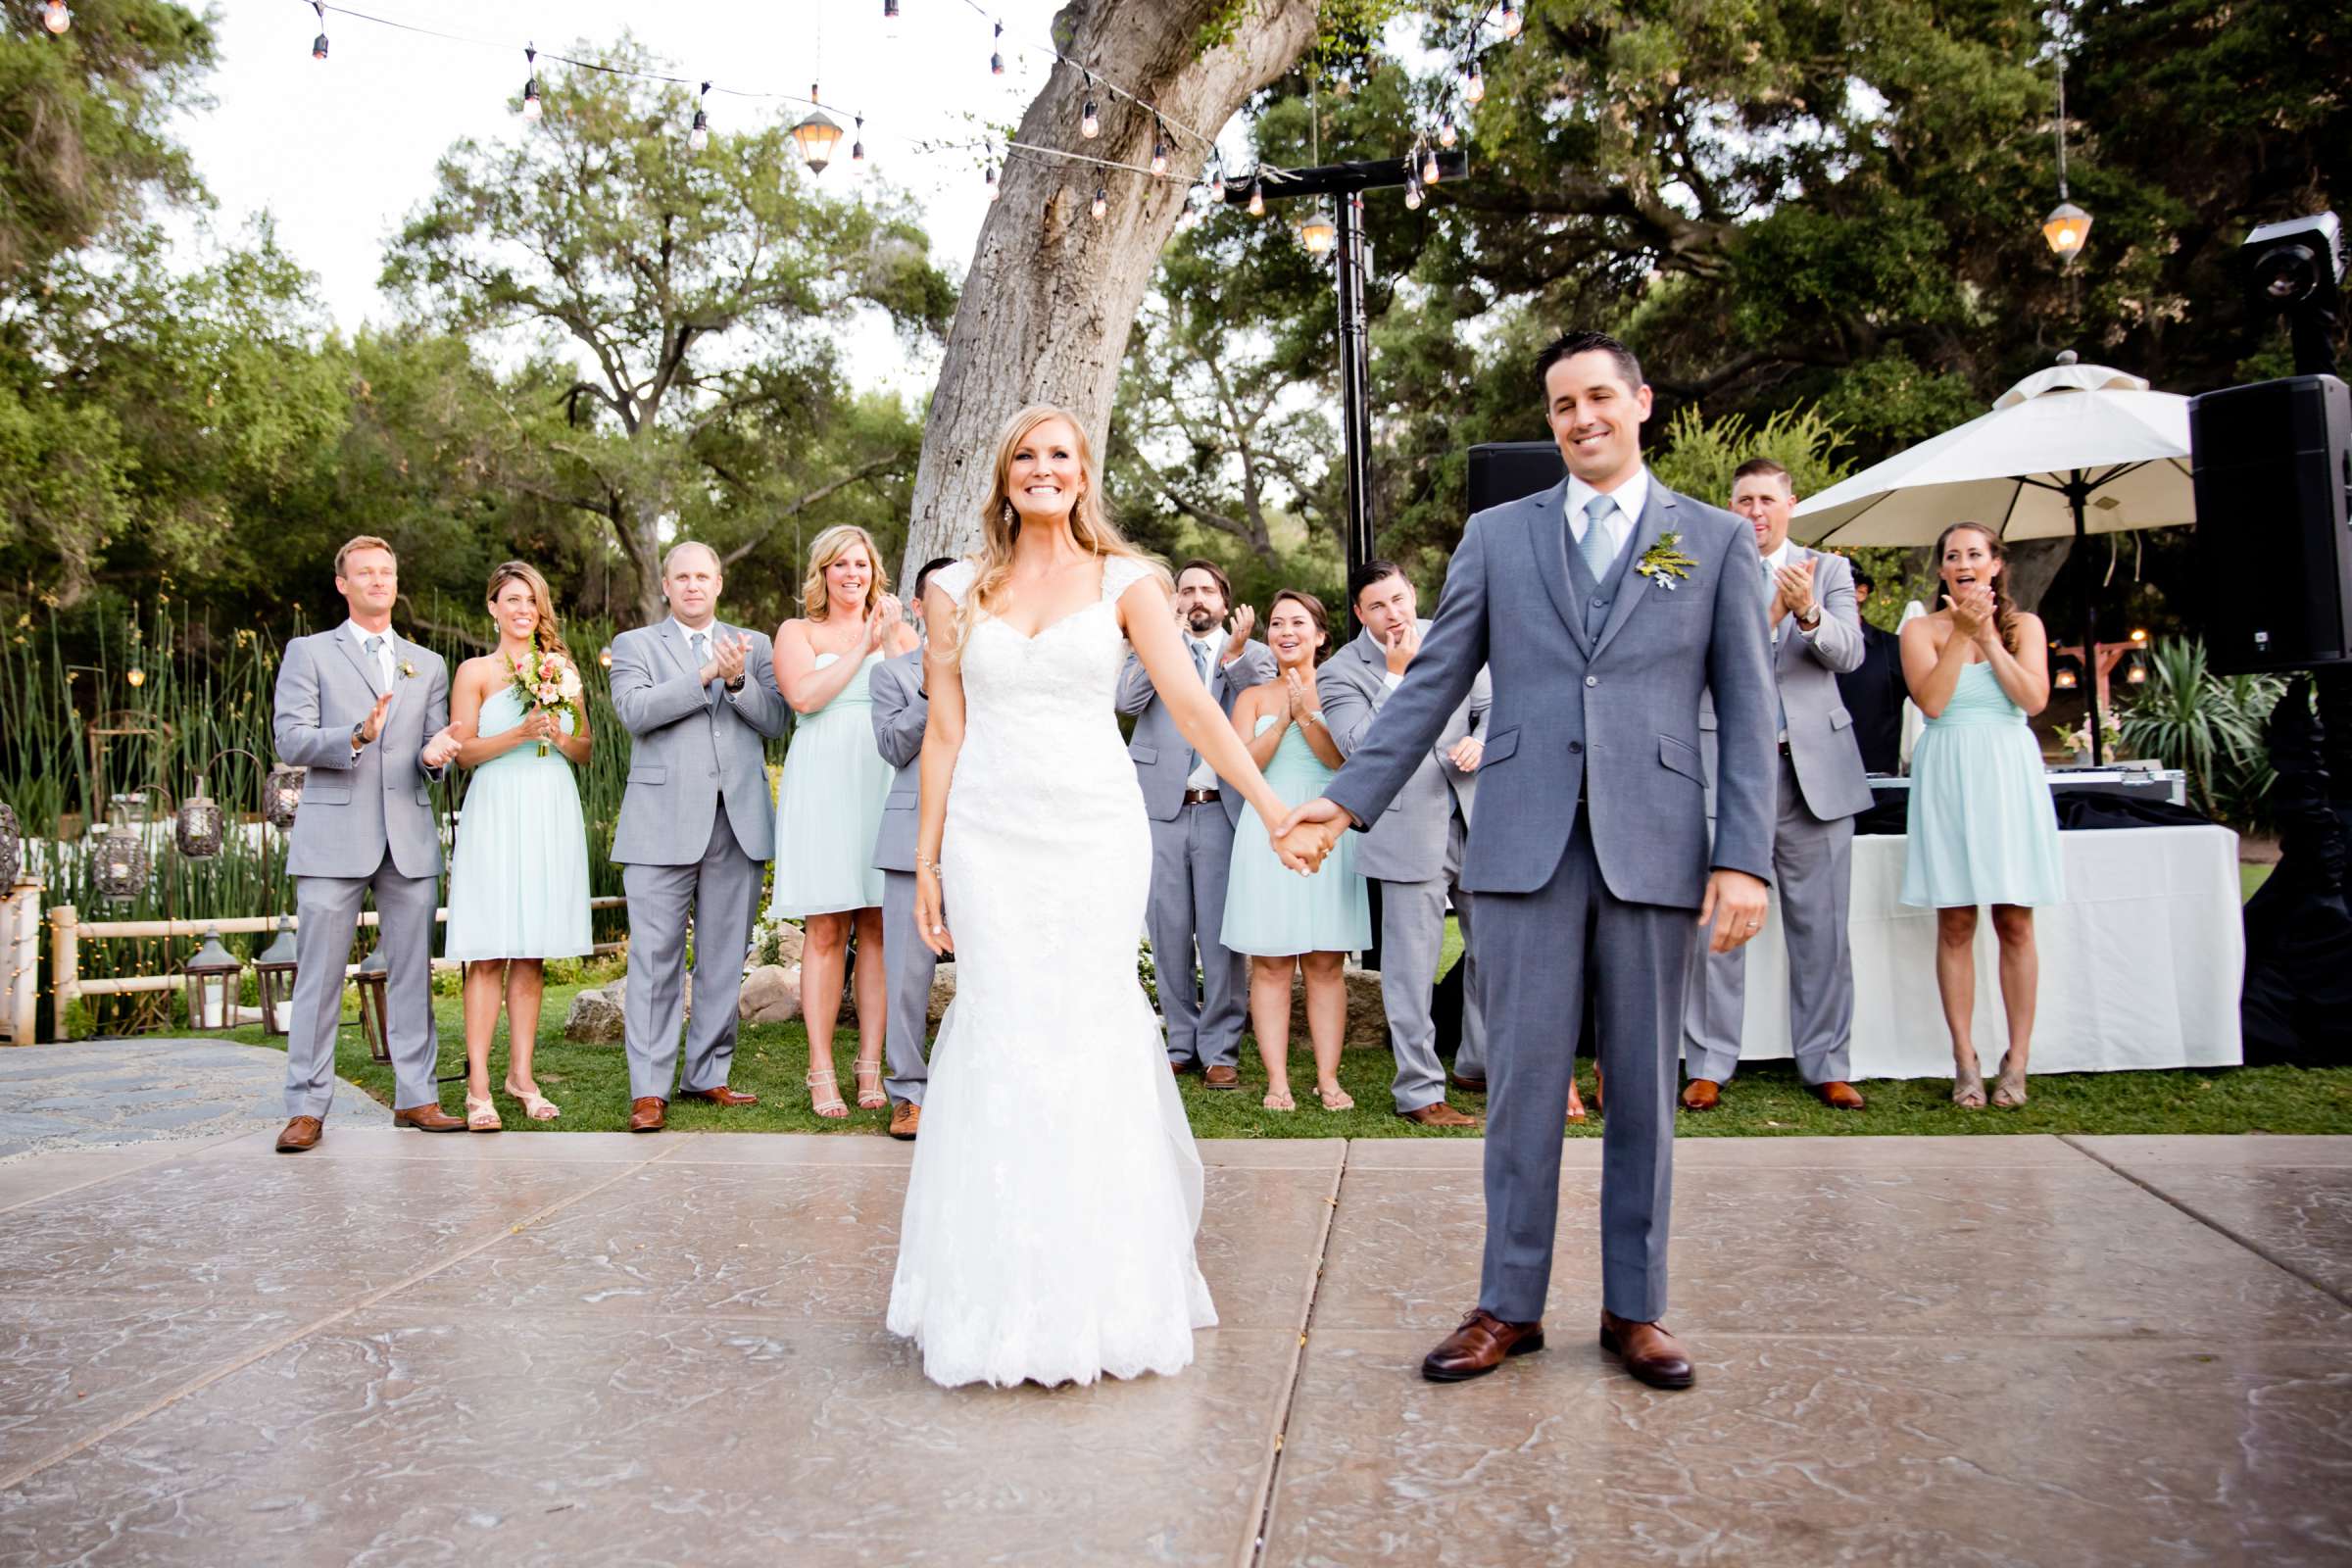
{"x": 1159, "y": 153}
{"x": 857, "y": 145}
{"x": 1474, "y": 84}
{"x": 1101, "y": 201}
{"x": 889, "y": 17}
{"x": 1429, "y": 167}
{"x": 1090, "y": 123}
{"x": 1511, "y": 20}
{"x": 1412, "y": 192}
{"x": 994, "y": 189}
{"x": 1257, "y": 197}
{"x": 700, "y": 136}
{"x": 531, "y": 107}
{"x": 55, "y": 17}
{"x": 996, "y": 59}
{"x": 319, "y": 44}
{"x": 1446, "y": 134}
{"x": 1216, "y": 181}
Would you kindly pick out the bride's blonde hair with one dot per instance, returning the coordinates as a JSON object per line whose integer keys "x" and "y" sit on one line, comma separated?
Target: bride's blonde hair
{"x": 1000, "y": 526}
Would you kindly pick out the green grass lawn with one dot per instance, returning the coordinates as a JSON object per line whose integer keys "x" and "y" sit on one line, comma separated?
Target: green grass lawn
{"x": 591, "y": 1083}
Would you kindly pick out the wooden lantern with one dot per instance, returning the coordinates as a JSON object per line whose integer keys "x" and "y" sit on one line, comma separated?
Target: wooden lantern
{"x": 273, "y": 968}
{"x": 213, "y": 973}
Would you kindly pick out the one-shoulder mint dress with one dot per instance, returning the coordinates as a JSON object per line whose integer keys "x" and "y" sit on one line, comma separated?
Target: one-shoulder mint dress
{"x": 1272, "y": 912}
{"x": 519, "y": 877}
{"x": 1981, "y": 827}
{"x": 829, "y": 807}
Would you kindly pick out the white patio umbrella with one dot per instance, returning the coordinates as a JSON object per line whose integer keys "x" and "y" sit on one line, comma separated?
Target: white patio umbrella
{"x": 2070, "y": 451}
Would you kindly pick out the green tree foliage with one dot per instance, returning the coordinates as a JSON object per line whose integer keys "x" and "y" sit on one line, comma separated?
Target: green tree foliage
{"x": 694, "y": 299}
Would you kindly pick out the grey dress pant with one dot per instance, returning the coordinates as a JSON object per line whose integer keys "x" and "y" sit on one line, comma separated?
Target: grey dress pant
{"x": 1413, "y": 939}
{"x": 328, "y": 911}
{"x": 1813, "y": 868}
{"x": 719, "y": 893}
{"x": 1543, "y": 950}
{"x": 910, "y": 967}
{"x": 1191, "y": 860}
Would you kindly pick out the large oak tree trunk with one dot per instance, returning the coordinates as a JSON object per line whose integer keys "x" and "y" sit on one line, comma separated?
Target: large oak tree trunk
{"x": 1051, "y": 293}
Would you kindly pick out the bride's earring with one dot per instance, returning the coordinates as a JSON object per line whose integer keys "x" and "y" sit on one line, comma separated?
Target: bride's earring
{"x": 1010, "y": 520}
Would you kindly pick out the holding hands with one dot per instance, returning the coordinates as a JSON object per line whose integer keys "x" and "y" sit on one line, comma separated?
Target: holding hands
{"x": 1309, "y": 834}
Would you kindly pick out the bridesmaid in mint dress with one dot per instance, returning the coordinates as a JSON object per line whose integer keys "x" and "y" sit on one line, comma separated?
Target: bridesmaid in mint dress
{"x": 1982, "y": 828}
{"x": 829, "y": 807}
{"x": 519, "y": 878}
{"x": 1287, "y": 922}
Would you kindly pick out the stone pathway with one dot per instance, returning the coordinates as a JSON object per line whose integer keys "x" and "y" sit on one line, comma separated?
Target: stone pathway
{"x": 589, "y": 1348}
{"x": 109, "y": 1094}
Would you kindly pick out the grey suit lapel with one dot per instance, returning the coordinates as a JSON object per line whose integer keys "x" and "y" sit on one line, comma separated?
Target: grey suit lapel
{"x": 674, "y": 640}
{"x": 1548, "y": 536}
{"x": 1368, "y": 652}
{"x": 359, "y": 661}
{"x": 1657, "y": 519}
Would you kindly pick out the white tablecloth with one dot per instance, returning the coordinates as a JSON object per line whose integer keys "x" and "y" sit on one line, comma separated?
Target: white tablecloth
{"x": 2141, "y": 966}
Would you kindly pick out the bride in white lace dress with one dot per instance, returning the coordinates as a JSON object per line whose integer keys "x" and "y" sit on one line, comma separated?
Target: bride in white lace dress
{"x": 1047, "y": 1233}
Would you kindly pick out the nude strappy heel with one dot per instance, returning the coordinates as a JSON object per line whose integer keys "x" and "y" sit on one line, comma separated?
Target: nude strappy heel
{"x": 831, "y": 1106}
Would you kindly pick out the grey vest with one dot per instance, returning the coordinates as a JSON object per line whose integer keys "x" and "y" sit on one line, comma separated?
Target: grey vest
{"x": 1599, "y": 597}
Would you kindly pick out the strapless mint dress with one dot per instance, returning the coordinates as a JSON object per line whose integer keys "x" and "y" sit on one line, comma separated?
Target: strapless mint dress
{"x": 1272, "y": 912}
{"x": 829, "y": 807}
{"x": 1982, "y": 828}
{"x": 519, "y": 877}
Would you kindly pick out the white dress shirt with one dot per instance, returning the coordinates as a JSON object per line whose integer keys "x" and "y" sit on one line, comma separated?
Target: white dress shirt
{"x": 1630, "y": 497}
{"x": 387, "y": 671}
{"x": 1203, "y": 776}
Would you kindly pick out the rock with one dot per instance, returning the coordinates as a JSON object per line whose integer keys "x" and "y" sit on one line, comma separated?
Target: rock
{"x": 771, "y": 993}
{"x": 943, "y": 990}
{"x": 1367, "y": 1015}
{"x": 596, "y": 1016}
{"x": 788, "y": 947}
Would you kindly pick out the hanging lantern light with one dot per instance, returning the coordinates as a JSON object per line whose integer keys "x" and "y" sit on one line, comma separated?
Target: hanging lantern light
{"x": 858, "y": 143}
{"x": 136, "y": 676}
{"x": 11, "y": 847}
{"x": 199, "y": 826}
{"x": 995, "y": 57}
{"x": 1102, "y": 203}
{"x": 2068, "y": 229}
{"x": 319, "y": 44}
{"x": 604, "y": 659}
{"x": 1474, "y": 84}
{"x": 531, "y": 107}
{"x": 817, "y": 136}
{"x": 374, "y": 979}
{"x": 122, "y": 871}
{"x": 212, "y": 974}
{"x": 55, "y": 17}
{"x": 281, "y": 796}
{"x": 1512, "y": 21}
{"x": 700, "y": 136}
{"x": 1257, "y": 197}
{"x": 274, "y": 974}
{"x": 1318, "y": 233}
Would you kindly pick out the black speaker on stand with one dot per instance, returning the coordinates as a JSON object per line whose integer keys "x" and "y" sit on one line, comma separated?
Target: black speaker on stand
{"x": 2272, "y": 466}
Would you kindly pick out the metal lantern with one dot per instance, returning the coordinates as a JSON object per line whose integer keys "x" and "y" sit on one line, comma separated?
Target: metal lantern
{"x": 274, "y": 970}
{"x": 200, "y": 826}
{"x": 375, "y": 978}
{"x": 121, "y": 870}
{"x": 10, "y": 860}
{"x": 817, "y": 136}
{"x": 212, "y": 979}
{"x": 281, "y": 796}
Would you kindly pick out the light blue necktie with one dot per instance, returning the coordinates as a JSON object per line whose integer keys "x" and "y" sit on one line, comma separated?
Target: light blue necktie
{"x": 375, "y": 661}
{"x": 1599, "y": 544}
{"x": 702, "y": 657}
{"x": 1201, "y": 660}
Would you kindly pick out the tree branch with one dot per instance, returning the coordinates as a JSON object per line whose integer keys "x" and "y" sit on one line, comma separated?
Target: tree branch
{"x": 794, "y": 509}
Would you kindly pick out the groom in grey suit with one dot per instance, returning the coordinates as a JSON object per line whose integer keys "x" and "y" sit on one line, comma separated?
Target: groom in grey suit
{"x": 901, "y": 710}
{"x": 698, "y": 699}
{"x": 1816, "y": 637}
{"x": 1604, "y": 606}
{"x": 367, "y": 714}
{"x": 1193, "y": 819}
{"x": 1415, "y": 850}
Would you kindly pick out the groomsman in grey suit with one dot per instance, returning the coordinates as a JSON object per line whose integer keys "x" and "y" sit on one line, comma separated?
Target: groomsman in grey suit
{"x": 1193, "y": 819}
{"x": 1415, "y": 850}
{"x": 1816, "y": 637}
{"x": 367, "y": 713}
{"x": 901, "y": 710}
{"x": 698, "y": 699}
{"x": 1606, "y": 608}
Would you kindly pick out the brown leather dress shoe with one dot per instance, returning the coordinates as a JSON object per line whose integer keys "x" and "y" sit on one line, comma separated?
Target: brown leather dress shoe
{"x": 648, "y": 1115}
{"x": 1838, "y": 1095}
{"x": 1651, "y": 1353}
{"x": 1221, "y": 1078}
{"x": 428, "y": 1119}
{"x": 1702, "y": 1094}
{"x": 1438, "y": 1115}
{"x": 906, "y": 1117}
{"x": 1479, "y": 1346}
{"x": 1468, "y": 1086}
{"x": 721, "y": 1097}
{"x": 301, "y": 1132}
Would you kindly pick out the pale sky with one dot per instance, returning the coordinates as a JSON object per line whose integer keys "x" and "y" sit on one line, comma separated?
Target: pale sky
{"x": 340, "y": 151}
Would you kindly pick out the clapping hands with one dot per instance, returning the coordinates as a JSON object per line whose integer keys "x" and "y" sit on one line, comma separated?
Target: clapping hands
{"x": 1245, "y": 621}
{"x": 1792, "y": 591}
{"x": 727, "y": 657}
{"x": 883, "y": 621}
{"x": 443, "y": 747}
{"x": 1972, "y": 610}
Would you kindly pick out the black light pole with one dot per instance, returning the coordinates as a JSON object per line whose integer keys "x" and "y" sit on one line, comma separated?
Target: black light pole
{"x": 1347, "y": 184}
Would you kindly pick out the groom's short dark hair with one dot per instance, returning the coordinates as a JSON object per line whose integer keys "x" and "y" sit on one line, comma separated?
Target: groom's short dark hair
{"x": 1568, "y": 345}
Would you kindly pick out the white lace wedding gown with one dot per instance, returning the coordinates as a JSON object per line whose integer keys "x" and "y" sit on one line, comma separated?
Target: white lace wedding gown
{"x": 1049, "y": 1226}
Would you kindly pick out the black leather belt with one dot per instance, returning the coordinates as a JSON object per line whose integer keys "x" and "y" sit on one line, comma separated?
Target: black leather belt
{"x": 1200, "y": 797}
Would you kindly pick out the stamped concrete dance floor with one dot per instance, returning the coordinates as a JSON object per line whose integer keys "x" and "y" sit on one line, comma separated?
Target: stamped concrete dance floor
{"x": 594, "y": 1349}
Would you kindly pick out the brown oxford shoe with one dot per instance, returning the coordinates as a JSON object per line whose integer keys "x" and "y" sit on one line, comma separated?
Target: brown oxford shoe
{"x": 1221, "y": 1078}
{"x": 1651, "y": 1353}
{"x": 301, "y": 1132}
{"x": 1838, "y": 1095}
{"x": 721, "y": 1097}
{"x": 1468, "y": 1086}
{"x": 1479, "y": 1346}
{"x": 1702, "y": 1094}
{"x": 906, "y": 1117}
{"x": 649, "y": 1115}
{"x": 1438, "y": 1115}
{"x": 428, "y": 1119}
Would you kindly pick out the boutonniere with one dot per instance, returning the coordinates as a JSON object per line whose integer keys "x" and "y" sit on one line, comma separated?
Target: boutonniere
{"x": 1664, "y": 565}
{"x": 408, "y": 672}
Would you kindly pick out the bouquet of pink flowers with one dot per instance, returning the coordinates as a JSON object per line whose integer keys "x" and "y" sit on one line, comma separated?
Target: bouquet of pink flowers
{"x": 547, "y": 682}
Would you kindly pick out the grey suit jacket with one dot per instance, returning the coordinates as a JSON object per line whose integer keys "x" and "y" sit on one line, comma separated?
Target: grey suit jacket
{"x": 901, "y": 710}
{"x": 354, "y": 808}
{"x": 1822, "y": 744}
{"x": 689, "y": 745}
{"x": 1163, "y": 760}
{"x": 1611, "y": 721}
{"x": 1408, "y": 843}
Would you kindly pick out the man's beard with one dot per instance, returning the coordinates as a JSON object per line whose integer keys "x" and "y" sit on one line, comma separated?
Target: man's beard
{"x": 1203, "y": 622}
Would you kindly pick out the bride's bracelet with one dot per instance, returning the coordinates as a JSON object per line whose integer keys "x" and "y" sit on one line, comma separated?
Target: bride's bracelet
{"x": 925, "y": 862}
